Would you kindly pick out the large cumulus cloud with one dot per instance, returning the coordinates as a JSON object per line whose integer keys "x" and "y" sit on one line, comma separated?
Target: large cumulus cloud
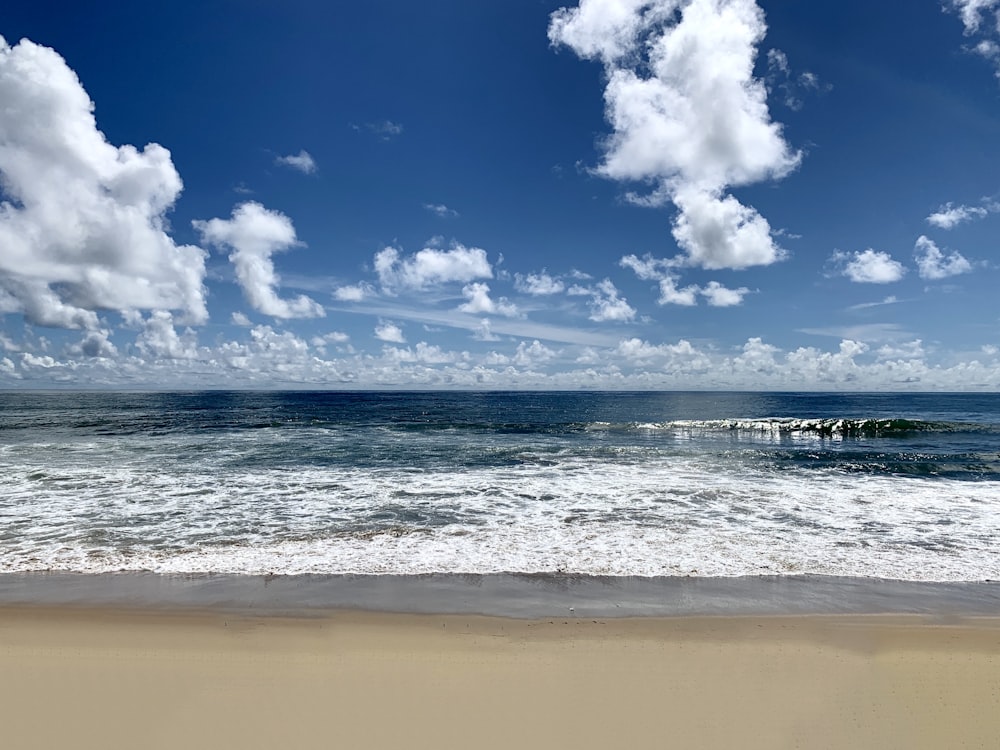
{"x": 688, "y": 116}
{"x": 82, "y": 222}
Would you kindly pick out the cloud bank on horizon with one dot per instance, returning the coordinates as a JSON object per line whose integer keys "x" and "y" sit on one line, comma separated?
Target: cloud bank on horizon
{"x": 675, "y": 268}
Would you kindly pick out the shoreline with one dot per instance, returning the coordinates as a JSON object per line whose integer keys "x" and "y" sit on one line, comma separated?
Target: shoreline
{"x": 496, "y": 662}
{"x": 524, "y": 596}
{"x": 124, "y": 677}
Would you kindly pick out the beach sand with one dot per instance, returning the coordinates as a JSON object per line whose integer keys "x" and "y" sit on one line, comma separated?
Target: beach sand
{"x": 114, "y": 678}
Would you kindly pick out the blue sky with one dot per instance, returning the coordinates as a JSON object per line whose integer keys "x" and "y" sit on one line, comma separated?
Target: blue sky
{"x": 527, "y": 194}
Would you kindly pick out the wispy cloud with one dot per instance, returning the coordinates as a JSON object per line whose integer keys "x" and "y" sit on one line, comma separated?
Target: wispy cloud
{"x": 661, "y": 270}
{"x": 302, "y": 161}
{"x": 981, "y": 19}
{"x": 520, "y": 328}
{"x": 864, "y": 332}
{"x": 384, "y": 129}
{"x": 950, "y": 216}
{"x": 439, "y": 209}
{"x": 890, "y": 300}
{"x": 793, "y": 88}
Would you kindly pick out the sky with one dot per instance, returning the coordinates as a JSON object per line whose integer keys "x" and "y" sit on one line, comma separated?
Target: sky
{"x": 618, "y": 194}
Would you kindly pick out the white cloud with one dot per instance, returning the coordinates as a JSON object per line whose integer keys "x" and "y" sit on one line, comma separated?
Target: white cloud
{"x": 290, "y": 346}
{"x": 495, "y": 359}
{"x": 46, "y": 362}
{"x": 334, "y": 337}
{"x": 720, "y": 232}
{"x": 8, "y": 302}
{"x": 94, "y": 344}
{"x": 302, "y": 161}
{"x": 441, "y": 210}
{"x": 83, "y": 226}
{"x": 484, "y": 332}
{"x": 720, "y": 296}
{"x": 538, "y": 284}
{"x": 757, "y": 357}
{"x": 949, "y": 216}
{"x": 9, "y": 344}
{"x": 972, "y": 13}
{"x": 701, "y": 117}
{"x": 605, "y": 30}
{"x": 431, "y": 266}
{"x": 989, "y": 49}
{"x": 906, "y": 350}
{"x": 269, "y": 356}
{"x": 868, "y": 267}
{"x": 479, "y": 302}
{"x": 264, "y": 357}
{"x": 671, "y": 295}
{"x": 42, "y": 306}
{"x": 533, "y": 354}
{"x": 518, "y": 327}
{"x": 240, "y": 319}
{"x": 932, "y": 263}
{"x": 637, "y": 350}
{"x": 254, "y": 234}
{"x": 390, "y": 332}
{"x": 890, "y": 300}
{"x": 688, "y": 116}
{"x": 160, "y": 340}
{"x": 607, "y": 305}
{"x": 819, "y": 367}
{"x": 671, "y": 356}
{"x": 423, "y": 353}
{"x": 650, "y": 268}
{"x": 385, "y": 129}
{"x": 353, "y": 293}
{"x": 865, "y": 332}
{"x": 647, "y": 268}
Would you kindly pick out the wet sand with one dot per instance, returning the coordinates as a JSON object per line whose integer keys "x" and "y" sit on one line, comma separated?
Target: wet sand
{"x": 106, "y": 677}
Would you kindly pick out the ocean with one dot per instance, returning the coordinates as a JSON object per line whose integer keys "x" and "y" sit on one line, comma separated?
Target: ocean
{"x": 882, "y": 486}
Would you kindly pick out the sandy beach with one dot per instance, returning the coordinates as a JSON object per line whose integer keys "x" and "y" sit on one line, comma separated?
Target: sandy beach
{"x": 118, "y": 678}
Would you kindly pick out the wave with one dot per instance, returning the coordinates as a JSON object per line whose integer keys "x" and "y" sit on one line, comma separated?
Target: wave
{"x": 825, "y": 427}
{"x": 169, "y": 423}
